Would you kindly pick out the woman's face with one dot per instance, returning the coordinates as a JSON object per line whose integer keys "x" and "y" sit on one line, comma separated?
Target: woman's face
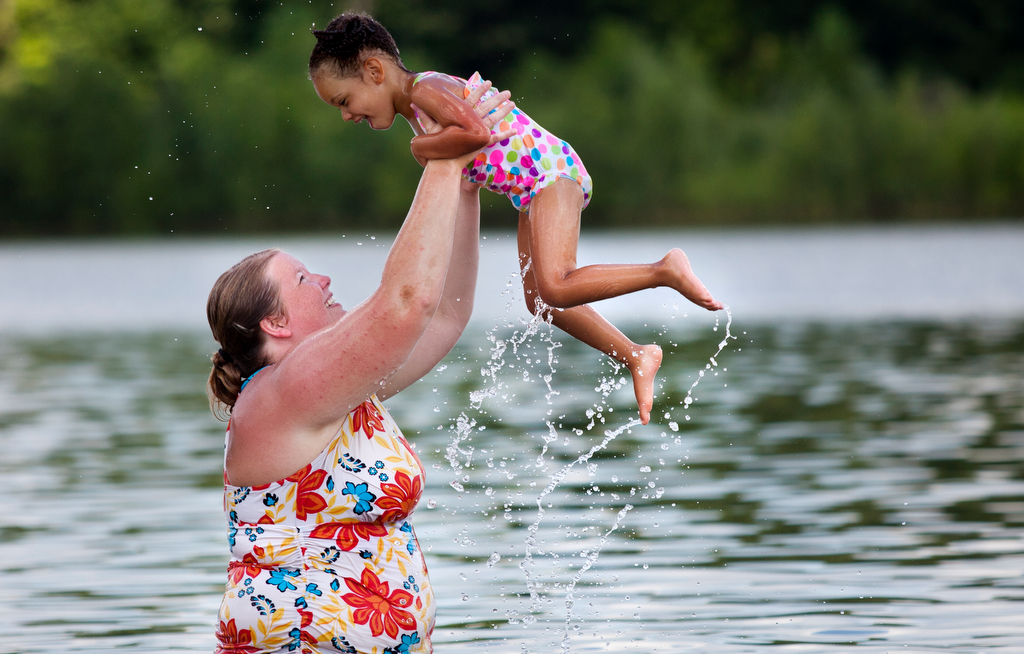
{"x": 306, "y": 298}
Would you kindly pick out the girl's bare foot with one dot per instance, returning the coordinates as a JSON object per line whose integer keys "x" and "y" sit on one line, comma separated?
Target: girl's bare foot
{"x": 644, "y": 366}
{"x": 686, "y": 282}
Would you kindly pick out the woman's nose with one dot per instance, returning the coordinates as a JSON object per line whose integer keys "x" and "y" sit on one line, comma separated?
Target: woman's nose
{"x": 346, "y": 116}
{"x": 325, "y": 281}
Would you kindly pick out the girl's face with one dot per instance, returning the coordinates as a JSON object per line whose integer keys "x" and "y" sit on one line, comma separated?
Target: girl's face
{"x": 365, "y": 97}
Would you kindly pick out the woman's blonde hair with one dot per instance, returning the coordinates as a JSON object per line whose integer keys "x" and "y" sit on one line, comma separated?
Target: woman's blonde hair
{"x": 239, "y": 300}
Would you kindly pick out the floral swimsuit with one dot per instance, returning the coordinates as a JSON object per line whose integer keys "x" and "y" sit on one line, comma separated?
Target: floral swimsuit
{"x": 521, "y": 166}
{"x": 326, "y": 560}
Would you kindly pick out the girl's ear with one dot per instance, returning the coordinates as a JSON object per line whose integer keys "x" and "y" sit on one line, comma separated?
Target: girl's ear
{"x": 276, "y": 326}
{"x": 373, "y": 68}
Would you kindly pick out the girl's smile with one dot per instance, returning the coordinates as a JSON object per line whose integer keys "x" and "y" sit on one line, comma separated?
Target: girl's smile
{"x": 358, "y": 98}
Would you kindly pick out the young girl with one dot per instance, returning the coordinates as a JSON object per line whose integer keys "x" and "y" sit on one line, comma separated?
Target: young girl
{"x": 355, "y": 66}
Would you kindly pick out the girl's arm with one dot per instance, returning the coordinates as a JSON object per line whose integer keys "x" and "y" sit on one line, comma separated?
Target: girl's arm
{"x": 462, "y": 129}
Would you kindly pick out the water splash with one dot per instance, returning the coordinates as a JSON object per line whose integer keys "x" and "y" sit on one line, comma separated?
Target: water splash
{"x": 555, "y": 479}
{"x": 463, "y": 428}
{"x": 455, "y": 450}
{"x": 570, "y": 590}
{"x": 713, "y": 360}
{"x": 496, "y": 385}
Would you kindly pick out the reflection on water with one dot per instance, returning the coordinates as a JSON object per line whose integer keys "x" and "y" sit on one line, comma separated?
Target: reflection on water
{"x": 828, "y": 486}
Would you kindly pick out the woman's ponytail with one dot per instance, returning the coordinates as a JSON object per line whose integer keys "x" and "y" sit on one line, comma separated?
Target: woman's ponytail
{"x": 239, "y": 300}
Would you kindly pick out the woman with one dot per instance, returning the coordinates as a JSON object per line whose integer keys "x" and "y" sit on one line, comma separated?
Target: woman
{"x": 319, "y": 482}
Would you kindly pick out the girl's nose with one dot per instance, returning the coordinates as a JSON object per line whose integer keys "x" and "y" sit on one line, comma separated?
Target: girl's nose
{"x": 346, "y": 116}
{"x": 325, "y": 281}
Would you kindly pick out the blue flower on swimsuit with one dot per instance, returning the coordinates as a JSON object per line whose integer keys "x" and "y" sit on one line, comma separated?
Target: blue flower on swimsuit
{"x": 277, "y": 578}
{"x": 408, "y": 640}
{"x": 295, "y": 642}
{"x": 362, "y": 494}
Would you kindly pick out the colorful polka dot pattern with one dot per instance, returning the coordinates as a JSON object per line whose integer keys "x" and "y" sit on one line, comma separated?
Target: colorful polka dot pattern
{"x": 521, "y": 166}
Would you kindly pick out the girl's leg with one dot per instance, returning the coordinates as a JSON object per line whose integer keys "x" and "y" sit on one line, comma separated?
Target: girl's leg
{"x": 588, "y": 326}
{"x": 554, "y": 230}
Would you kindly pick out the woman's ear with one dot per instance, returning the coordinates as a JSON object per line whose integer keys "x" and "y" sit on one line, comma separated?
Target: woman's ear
{"x": 373, "y": 68}
{"x": 276, "y": 326}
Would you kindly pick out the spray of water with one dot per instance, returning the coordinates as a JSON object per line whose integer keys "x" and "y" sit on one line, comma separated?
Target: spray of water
{"x": 460, "y": 454}
{"x": 570, "y": 591}
{"x": 555, "y": 479}
{"x": 713, "y": 360}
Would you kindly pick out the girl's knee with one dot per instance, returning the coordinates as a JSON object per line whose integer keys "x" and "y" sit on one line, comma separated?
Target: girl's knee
{"x": 532, "y": 300}
{"x": 554, "y": 294}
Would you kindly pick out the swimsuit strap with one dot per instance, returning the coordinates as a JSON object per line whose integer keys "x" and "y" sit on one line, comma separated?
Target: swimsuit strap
{"x": 250, "y": 378}
{"x": 422, "y": 75}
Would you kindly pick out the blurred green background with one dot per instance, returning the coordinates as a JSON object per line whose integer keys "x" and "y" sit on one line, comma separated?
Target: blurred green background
{"x": 147, "y": 116}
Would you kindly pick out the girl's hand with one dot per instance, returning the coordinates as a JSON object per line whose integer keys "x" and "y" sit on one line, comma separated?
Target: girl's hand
{"x": 491, "y": 111}
{"x": 431, "y": 126}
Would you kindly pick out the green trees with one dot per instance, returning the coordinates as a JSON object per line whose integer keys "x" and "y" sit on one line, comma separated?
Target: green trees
{"x": 126, "y": 117}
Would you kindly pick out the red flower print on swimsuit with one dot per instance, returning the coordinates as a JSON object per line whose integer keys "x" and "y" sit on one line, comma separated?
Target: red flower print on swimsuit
{"x": 231, "y": 640}
{"x": 348, "y": 534}
{"x": 307, "y": 500}
{"x": 247, "y": 567}
{"x": 401, "y": 497}
{"x": 367, "y": 419}
{"x": 374, "y": 605}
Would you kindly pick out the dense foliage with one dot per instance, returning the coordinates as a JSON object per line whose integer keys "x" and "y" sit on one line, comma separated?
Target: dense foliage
{"x": 119, "y": 116}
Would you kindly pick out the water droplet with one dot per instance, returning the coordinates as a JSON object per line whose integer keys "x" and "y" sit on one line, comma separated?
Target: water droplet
{"x": 431, "y": 503}
{"x": 494, "y": 558}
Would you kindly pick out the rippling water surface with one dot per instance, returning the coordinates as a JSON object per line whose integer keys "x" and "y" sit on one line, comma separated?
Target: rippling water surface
{"x": 829, "y": 487}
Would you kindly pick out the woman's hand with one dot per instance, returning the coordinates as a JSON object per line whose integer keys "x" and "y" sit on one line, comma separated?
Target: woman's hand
{"x": 490, "y": 111}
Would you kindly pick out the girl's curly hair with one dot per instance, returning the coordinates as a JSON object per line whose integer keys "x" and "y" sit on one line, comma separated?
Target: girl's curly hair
{"x": 341, "y": 48}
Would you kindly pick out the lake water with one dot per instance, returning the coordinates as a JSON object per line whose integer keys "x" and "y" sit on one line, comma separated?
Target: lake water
{"x": 848, "y": 473}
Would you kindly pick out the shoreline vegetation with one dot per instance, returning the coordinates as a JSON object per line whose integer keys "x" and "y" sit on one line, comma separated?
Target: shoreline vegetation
{"x": 127, "y": 118}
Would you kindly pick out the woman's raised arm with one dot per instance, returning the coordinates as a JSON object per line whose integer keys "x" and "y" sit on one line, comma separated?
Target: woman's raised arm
{"x": 324, "y": 375}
